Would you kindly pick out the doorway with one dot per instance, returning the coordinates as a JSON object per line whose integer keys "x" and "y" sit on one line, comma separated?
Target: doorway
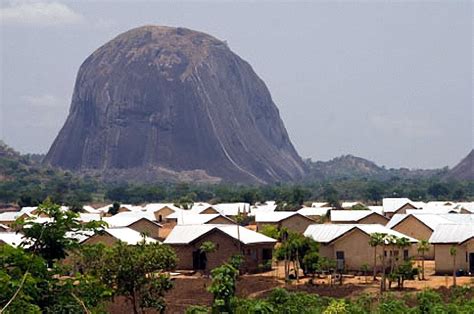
{"x": 199, "y": 260}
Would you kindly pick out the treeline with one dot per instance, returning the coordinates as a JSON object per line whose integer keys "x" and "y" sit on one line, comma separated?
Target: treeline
{"x": 24, "y": 181}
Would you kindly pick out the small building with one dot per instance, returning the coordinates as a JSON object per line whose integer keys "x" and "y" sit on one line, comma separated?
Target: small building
{"x": 162, "y": 210}
{"x": 392, "y": 206}
{"x": 457, "y": 236}
{"x": 201, "y": 219}
{"x": 138, "y": 223}
{"x": 229, "y": 240}
{"x": 357, "y": 217}
{"x": 9, "y": 218}
{"x": 315, "y": 213}
{"x": 349, "y": 244}
{"x": 111, "y": 236}
{"x": 292, "y": 221}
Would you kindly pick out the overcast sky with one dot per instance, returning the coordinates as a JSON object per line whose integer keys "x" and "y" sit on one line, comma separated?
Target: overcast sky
{"x": 387, "y": 81}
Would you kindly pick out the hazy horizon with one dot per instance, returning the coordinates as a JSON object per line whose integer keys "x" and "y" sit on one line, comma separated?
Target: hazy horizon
{"x": 387, "y": 81}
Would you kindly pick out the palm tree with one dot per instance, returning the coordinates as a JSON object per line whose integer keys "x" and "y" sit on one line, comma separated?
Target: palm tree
{"x": 452, "y": 252}
{"x": 375, "y": 240}
{"x": 423, "y": 246}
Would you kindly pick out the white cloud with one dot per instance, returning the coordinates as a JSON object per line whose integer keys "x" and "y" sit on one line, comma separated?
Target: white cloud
{"x": 43, "y": 101}
{"x": 39, "y": 14}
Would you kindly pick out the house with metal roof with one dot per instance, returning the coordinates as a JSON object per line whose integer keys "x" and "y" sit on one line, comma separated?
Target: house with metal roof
{"x": 357, "y": 217}
{"x": 420, "y": 225}
{"x": 459, "y": 237}
{"x": 292, "y": 221}
{"x": 392, "y": 206}
{"x": 111, "y": 236}
{"x": 348, "y": 244}
{"x": 229, "y": 240}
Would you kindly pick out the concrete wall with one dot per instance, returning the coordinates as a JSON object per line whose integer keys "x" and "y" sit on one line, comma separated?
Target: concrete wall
{"x": 374, "y": 219}
{"x": 444, "y": 260}
{"x": 296, "y": 223}
{"x": 412, "y": 227}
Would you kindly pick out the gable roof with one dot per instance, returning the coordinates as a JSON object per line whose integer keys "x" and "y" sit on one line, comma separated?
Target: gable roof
{"x": 351, "y": 215}
{"x": 232, "y": 209}
{"x": 126, "y": 235}
{"x": 391, "y": 205}
{"x": 327, "y": 233}
{"x": 452, "y": 233}
{"x": 11, "y": 238}
{"x": 185, "y": 234}
{"x": 198, "y": 219}
{"x": 124, "y": 219}
{"x": 313, "y": 211}
{"x": 12, "y": 216}
{"x": 276, "y": 216}
{"x": 431, "y": 220}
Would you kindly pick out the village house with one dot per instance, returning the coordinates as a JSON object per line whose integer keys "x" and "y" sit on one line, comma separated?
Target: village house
{"x": 460, "y": 237}
{"x": 201, "y": 219}
{"x": 161, "y": 211}
{"x": 357, "y": 217}
{"x": 292, "y": 221}
{"x": 392, "y": 206}
{"x": 315, "y": 213}
{"x": 112, "y": 236}
{"x": 138, "y": 222}
{"x": 9, "y": 218}
{"x": 349, "y": 244}
{"x": 228, "y": 240}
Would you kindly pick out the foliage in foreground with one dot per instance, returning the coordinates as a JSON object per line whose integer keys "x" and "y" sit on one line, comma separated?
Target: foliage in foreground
{"x": 458, "y": 300}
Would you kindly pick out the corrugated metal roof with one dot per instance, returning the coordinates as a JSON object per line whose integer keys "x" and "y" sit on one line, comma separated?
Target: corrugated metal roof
{"x": 184, "y": 234}
{"x": 198, "y": 219}
{"x": 11, "y": 238}
{"x": 350, "y": 215}
{"x": 452, "y": 233}
{"x": 314, "y": 211}
{"x": 128, "y": 235}
{"x": 232, "y": 209}
{"x": 126, "y": 218}
{"x": 325, "y": 233}
{"x": 391, "y": 205}
{"x": 273, "y": 216}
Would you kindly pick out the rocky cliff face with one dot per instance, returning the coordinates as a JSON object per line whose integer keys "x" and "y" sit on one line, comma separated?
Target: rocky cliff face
{"x": 174, "y": 101}
{"x": 464, "y": 170}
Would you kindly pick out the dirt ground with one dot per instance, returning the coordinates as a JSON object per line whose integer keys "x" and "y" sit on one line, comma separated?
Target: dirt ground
{"x": 192, "y": 289}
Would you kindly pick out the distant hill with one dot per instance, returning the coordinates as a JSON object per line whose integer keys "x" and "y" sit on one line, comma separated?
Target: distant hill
{"x": 464, "y": 170}
{"x": 352, "y": 167}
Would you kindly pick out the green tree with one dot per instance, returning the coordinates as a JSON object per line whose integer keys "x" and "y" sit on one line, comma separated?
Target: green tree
{"x": 54, "y": 238}
{"x": 222, "y": 287}
{"x": 376, "y": 239}
{"x": 423, "y": 247}
{"x": 453, "y": 252}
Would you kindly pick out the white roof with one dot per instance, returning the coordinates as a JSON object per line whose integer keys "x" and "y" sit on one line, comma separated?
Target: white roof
{"x": 325, "y": 233}
{"x": 319, "y": 204}
{"x": 185, "y": 234}
{"x": 128, "y": 235}
{"x": 87, "y": 217}
{"x": 266, "y": 207}
{"x": 350, "y": 204}
{"x": 3, "y": 227}
{"x": 12, "y": 216}
{"x": 452, "y": 233}
{"x": 11, "y": 238}
{"x": 28, "y": 209}
{"x": 90, "y": 209}
{"x": 124, "y": 219}
{"x": 232, "y": 209}
{"x": 273, "y": 216}
{"x": 313, "y": 211}
{"x": 469, "y": 206}
{"x": 198, "y": 208}
{"x": 197, "y": 219}
{"x": 350, "y": 215}
{"x": 391, "y": 205}
{"x": 430, "y": 220}
{"x": 377, "y": 209}
{"x": 153, "y": 207}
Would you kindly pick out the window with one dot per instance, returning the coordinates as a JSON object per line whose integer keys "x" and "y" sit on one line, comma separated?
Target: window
{"x": 405, "y": 255}
{"x": 339, "y": 254}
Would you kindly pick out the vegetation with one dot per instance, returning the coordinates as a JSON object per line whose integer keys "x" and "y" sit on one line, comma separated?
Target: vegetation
{"x": 38, "y": 277}
{"x": 26, "y": 182}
